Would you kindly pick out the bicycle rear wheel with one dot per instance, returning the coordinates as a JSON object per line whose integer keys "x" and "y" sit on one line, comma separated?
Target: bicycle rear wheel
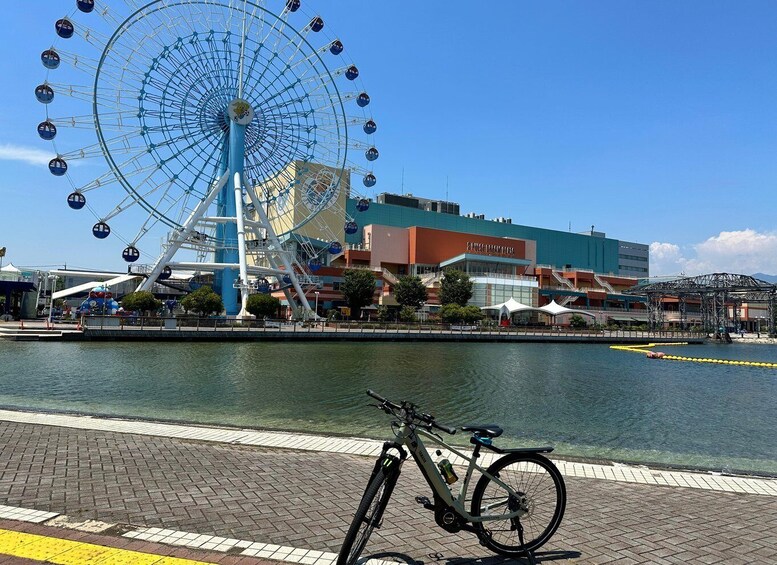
{"x": 368, "y": 516}
{"x": 540, "y": 497}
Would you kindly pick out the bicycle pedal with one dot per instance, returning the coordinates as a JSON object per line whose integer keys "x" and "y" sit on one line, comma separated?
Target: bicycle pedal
{"x": 423, "y": 500}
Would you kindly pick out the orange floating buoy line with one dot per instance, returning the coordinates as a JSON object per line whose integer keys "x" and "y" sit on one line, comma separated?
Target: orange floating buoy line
{"x": 662, "y": 355}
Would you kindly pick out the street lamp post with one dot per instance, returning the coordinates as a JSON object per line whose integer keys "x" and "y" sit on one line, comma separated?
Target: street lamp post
{"x": 52, "y": 286}
{"x": 316, "y": 293}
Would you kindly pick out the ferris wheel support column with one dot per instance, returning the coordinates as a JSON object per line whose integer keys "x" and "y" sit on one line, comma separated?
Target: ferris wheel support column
{"x": 287, "y": 264}
{"x": 241, "y": 246}
{"x": 184, "y": 233}
{"x": 240, "y": 114}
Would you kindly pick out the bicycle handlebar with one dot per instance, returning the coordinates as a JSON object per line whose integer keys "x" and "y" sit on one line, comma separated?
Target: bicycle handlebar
{"x": 410, "y": 414}
{"x": 382, "y": 400}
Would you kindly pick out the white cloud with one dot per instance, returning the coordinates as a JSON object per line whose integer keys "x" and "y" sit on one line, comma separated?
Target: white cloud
{"x": 741, "y": 252}
{"x": 28, "y": 155}
{"x": 666, "y": 259}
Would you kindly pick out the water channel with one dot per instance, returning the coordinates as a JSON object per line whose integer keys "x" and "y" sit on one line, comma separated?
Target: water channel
{"x": 587, "y": 400}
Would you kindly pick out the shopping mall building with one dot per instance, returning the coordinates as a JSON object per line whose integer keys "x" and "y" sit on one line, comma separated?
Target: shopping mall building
{"x": 407, "y": 235}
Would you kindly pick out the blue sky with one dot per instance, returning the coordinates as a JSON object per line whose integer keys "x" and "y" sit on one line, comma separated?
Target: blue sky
{"x": 654, "y": 121}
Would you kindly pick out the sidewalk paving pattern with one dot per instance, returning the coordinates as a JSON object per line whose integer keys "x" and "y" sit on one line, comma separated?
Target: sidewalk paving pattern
{"x": 305, "y": 498}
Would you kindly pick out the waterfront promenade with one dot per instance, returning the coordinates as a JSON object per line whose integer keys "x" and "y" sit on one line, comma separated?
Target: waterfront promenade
{"x": 171, "y": 329}
{"x": 187, "y": 491}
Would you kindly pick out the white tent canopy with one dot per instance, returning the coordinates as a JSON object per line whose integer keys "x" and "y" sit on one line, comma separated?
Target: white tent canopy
{"x": 10, "y": 273}
{"x": 510, "y": 307}
{"x": 554, "y": 309}
{"x": 9, "y": 268}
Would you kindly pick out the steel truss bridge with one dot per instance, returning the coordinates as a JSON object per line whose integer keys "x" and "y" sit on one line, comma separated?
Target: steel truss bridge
{"x": 715, "y": 293}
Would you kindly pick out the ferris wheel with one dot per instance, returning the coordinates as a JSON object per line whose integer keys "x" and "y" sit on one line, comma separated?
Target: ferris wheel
{"x": 237, "y": 128}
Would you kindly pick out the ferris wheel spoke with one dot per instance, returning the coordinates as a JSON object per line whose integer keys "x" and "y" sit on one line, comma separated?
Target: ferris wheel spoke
{"x": 315, "y": 83}
{"x": 81, "y": 122}
{"x": 259, "y": 58}
{"x": 308, "y": 60}
{"x": 201, "y": 55}
{"x": 177, "y": 71}
{"x": 195, "y": 142}
{"x": 128, "y": 202}
{"x": 89, "y": 35}
{"x": 277, "y": 29}
{"x": 161, "y": 196}
{"x": 107, "y": 15}
{"x": 247, "y": 34}
{"x": 85, "y": 94}
{"x": 290, "y": 153}
{"x": 215, "y": 56}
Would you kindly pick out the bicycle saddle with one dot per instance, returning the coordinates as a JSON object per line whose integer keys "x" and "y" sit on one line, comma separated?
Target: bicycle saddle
{"x": 490, "y": 430}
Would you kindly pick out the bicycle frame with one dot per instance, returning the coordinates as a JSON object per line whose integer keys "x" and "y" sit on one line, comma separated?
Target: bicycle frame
{"x": 410, "y": 436}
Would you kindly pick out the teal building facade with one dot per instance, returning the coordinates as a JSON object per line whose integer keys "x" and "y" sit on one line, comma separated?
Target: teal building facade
{"x": 558, "y": 249}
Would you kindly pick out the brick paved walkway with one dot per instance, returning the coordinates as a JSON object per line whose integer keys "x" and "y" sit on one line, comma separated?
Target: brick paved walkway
{"x": 306, "y": 499}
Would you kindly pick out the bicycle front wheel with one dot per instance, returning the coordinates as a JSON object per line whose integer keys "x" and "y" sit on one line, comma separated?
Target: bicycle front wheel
{"x": 367, "y": 518}
{"x": 538, "y": 495}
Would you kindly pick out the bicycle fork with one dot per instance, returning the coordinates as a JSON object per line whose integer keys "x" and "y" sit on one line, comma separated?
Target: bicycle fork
{"x": 390, "y": 465}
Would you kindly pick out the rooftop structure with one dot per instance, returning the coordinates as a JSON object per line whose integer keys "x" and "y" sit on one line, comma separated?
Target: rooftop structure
{"x": 559, "y": 249}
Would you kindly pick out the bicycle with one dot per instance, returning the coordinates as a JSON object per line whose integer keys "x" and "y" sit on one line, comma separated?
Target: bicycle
{"x": 516, "y": 506}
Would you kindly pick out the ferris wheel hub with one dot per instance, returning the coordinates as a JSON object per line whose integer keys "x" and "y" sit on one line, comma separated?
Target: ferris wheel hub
{"x": 240, "y": 112}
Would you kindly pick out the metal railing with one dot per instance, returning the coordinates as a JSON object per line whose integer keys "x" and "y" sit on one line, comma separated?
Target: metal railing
{"x": 226, "y": 325}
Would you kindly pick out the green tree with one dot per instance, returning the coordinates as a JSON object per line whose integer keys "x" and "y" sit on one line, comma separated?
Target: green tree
{"x": 141, "y": 301}
{"x": 358, "y": 288}
{"x": 407, "y": 314}
{"x": 410, "y": 291}
{"x": 455, "y": 288}
{"x": 453, "y": 313}
{"x": 383, "y": 313}
{"x": 577, "y": 321}
{"x": 263, "y": 305}
{"x": 332, "y": 314}
{"x": 471, "y": 314}
{"x": 203, "y": 301}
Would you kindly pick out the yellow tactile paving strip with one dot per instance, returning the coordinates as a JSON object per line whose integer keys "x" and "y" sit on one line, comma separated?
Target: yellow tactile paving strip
{"x": 68, "y": 552}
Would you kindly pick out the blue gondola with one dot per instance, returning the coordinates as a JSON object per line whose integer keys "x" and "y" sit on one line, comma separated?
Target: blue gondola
{"x": 130, "y": 254}
{"x": 314, "y": 265}
{"x": 263, "y": 285}
{"x": 166, "y": 273}
{"x": 101, "y": 230}
{"x": 371, "y": 154}
{"x": 57, "y": 166}
{"x": 76, "y": 200}
{"x": 47, "y": 130}
{"x": 370, "y": 127}
{"x": 85, "y": 6}
{"x": 65, "y": 28}
{"x": 316, "y": 24}
{"x": 287, "y": 279}
{"x": 363, "y": 205}
{"x": 351, "y": 227}
{"x": 44, "y": 93}
{"x": 335, "y": 247}
{"x": 292, "y": 5}
{"x": 363, "y": 99}
{"x": 50, "y": 59}
{"x": 336, "y": 47}
{"x": 352, "y": 72}
{"x": 369, "y": 180}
